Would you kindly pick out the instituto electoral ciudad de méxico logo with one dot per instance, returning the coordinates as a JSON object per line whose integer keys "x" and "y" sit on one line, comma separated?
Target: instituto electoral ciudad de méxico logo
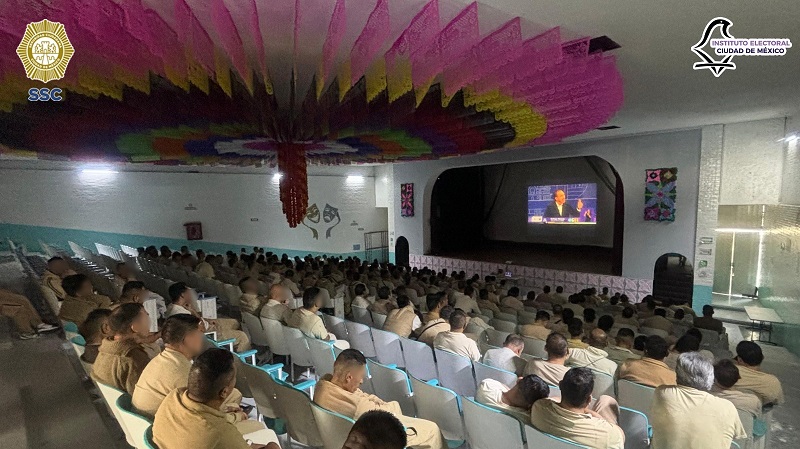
{"x": 45, "y": 51}
{"x": 728, "y": 46}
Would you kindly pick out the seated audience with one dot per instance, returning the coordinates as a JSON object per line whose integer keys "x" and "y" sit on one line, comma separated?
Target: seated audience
{"x": 277, "y": 308}
{"x": 658, "y": 321}
{"x": 25, "y": 317}
{"x": 544, "y": 296}
{"x": 623, "y": 350}
{"x": 504, "y": 357}
{"x": 707, "y": 321}
{"x": 464, "y": 299}
{"x": 726, "y": 374}
{"x": 306, "y": 319}
{"x": 575, "y": 329}
{"x": 93, "y": 331}
{"x": 650, "y": 370}
{"x": 766, "y": 386}
{"x": 574, "y": 419}
{"x": 589, "y": 317}
{"x": 427, "y": 333}
{"x": 288, "y": 282}
{"x": 121, "y": 358}
{"x": 454, "y": 340}
{"x": 183, "y": 298}
{"x": 361, "y": 299}
{"x": 512, "y": 300}
{"x": 435, "y": 302}
{"x": 384, "y": 304}
{"x": 593, "y": 356}
{"x": 190, "y": 417}
{"x": 626, "y": 319}
{"x": 538, "y": 329}
{"x": 403, "y": 320}
{"x": 606, "y": 323}
{"x": 250, "y": 302}
{"x": 686, "y": 416}
{"x": 80, "y": 299}
{"x": 377, "y": 429}
{"x": 559, "y": 297}
{"x": 517, "y": 400}
{"x": 638, "y": 344}
{"x": 687, "y": 343}
{"x": 339, "y": 392}
{"x": 122, "y": 275}
{"x": 57, "y": 270}
{"x": 553, "y": 369}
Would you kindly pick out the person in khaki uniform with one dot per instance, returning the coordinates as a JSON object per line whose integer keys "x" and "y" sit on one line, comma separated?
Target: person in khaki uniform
{"x": 766, "y": 386}
{"x": 554, "y": 368}
{"x": 428, "y": 332}
{"x": 404, "y": 320}
{"x": 276, "y": 307}
{"x": 121, "y": 359}
{"x": 455, "y": 341}
{"x": 686, "y": 416}
{"x": 80, "y": 299}
{"x": 574, "y": 420}
{"x": 651, "y": 369}
{"x": 26, "y": 319}
{"x": 594, "y": 356}
{"x": 623, "y": 350}
{"x": 538, "y": 329}
{"x": 726, "y": 374}
{"x": 306, "y": 319}
{"x": 658, "y": 321}
{"x": 435, "y": 303}
{"x": 57, "y": 270}
{"x": 517, "y": 400}
{"x": 190, "y": 417}
{"x": 250, "y": 302}
{"x": 339, "y": 392}
{"x": 484, "y": 303}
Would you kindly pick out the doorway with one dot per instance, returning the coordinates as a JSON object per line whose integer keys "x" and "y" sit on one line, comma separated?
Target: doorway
{"x": 673, "y": 279}
{"x": 737, "y": 262}
{"x": 401, "y": 258}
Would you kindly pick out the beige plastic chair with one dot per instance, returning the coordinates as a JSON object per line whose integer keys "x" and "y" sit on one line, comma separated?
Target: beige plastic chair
{"x": 136, "y": 425}
{"x": 256, "y": 330}
{"x": 635, "y": 396}
{"x": 295, "y": 408}
{"x": 534, "y": 347}
{"x": 333, "y": 427}
{"x": 111, "y": 394}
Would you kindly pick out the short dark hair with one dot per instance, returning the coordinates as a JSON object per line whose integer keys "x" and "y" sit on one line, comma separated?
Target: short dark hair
{"x": 446, "y": 312}
{"x": 567, "y": 314}
{"x": 626, "y": 332}
{"x": 383, "y": 292}
{"x": 433, "y": 300}
{"x": 483, "y": 294}
{"x": 360, "y": 289}
{"x": 288, "y": 274}
{"x": 123, "y": 316}
{"x": 575, "y": 327}
{"x": 72, "y": 283}
{"x": 381, "y": 429}
{"x": 679, "y": 314}
{"x": 660, "y": 312}
{"x": 514, "y": 340}
{"x": 687, "y": 343}
{"x": 54, "y": 259}
{"x": 310, "y": 297}
{"x": 749, "y": 353}
{"x": 656, "y": 347}
{"x": 513, "y": 291}
{"x": 556, "y": 345}
{"x": 242, "y": 281}
{"x": 576, "y": 387}
{"x": 708, "y": 310}
{"x": 542, "y": 315}
{"x": 726, "y": 373}
{"x": 178, "y": 326}
{"x": 351, "y": 356}
{"x": 176, "y": 290}
{"x": 546, "y": 289}
{"x": 402, "y": 301}
{"x": 93, "y": 323}
{"x": 533, "y": 388}
{"x": 132, "y": 285}
{"x": 627, "y": 312}
{"x": 211, "y": 372}
{"x": 559, "y": 289}
{"x": 458, "y": 319}
{"x": 640, "y": 342}
{"x": 605, "y": 322}
{"x": 589, "y": 315}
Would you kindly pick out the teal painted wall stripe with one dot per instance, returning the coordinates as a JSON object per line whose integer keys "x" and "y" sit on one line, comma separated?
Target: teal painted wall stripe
{"x": 701, "y": 296}
{"x": 29, "y": 236}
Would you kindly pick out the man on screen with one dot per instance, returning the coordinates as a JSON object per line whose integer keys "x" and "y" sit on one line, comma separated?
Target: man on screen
{"x": 560, "y": 208}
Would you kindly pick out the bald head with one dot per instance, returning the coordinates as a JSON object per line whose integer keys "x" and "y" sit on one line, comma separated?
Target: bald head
{"x": 598, "y": 338}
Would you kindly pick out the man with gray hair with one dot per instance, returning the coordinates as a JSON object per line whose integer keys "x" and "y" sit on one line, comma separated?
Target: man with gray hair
{"x": 687, "y": 416}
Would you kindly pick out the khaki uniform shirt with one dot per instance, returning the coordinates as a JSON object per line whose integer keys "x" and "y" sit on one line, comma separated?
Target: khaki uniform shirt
{"x": 550, "y": 372}
{"x": 431, "y": 329}
{"x": 658, "y": 322}
{"x": 167, "y": 371}
{"x": 684, "y": 417}
{"x": 647, "y": 371}
{"x": 513, "y": 303}
{"x": 581, "y": 428}
{"x": 535, "y": 331}
{"x": 251, "y": 303}
{"x": 593, "y": 358}
{"x": 619, "y": 354}
{"x": 766, "y": 386}
{"x": 309, "y": 323}
{"x": 183, "y": 423}
{"x": 458, "y": 343}
{"x": 274, "y": 310}
{"x": 119, "y": 364}
{"x": 77, "y": 309}
{"x": 742, "y": 400}
{"x": 204, "y": 269}
{"x": 402, "y": 321}
{"x": 490, "y": 393}
{"x": 53, "y": 282}
{"x": 466, "y": 303}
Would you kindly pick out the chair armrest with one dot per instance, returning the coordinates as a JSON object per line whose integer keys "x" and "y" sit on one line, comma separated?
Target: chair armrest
{"x": 305, "y": 385}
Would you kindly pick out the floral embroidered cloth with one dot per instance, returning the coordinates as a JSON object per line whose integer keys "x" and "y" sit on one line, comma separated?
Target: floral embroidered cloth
{"x": 660, "y": 193}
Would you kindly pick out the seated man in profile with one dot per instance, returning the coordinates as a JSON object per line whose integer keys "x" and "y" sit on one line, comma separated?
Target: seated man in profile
{"x": 651, "y": 369}
{"x": 183, "y": 298}
{"x": 384, "y": 303}
{"x": 377, "y": 429}
{"x": 766, "y": 386}
{"x": 574, "y": 420}
{"x": 554, "y": 368}
{"x": 512, "y": 300}
{"x": 276, "y": 308}
{"x": 538, "y": 329}
{"x": 93, "y": 331}
{"x": 310, "y": 324}
{"x": 517, "y": 400}
{"x": 484, "y": 303}
{"x": 339, "y": 392}
{"x": 121, "y": 358}
{"x": 190, "y": 417}
{"x": 455, "y": 341}
{"x": 250, "y": 302}
{"x": 80, "y": 299}
{"x": 57, "y": 270}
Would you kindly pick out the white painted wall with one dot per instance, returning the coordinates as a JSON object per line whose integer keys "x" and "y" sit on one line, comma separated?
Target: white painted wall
{"x": 644, "y": 241}
{"x": 752, "y": 162}
{"x": 152, "y": 204}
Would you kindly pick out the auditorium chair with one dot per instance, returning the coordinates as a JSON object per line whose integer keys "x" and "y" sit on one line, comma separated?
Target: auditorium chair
{"x": 333, "y": 427}
{"x": 489, "y": 428}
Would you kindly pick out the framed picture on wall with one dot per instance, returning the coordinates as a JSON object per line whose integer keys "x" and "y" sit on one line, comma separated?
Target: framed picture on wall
{"x": 407, "y": 200}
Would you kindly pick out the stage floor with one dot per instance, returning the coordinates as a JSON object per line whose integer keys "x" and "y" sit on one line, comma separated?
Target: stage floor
{"x": 587, "y": 259}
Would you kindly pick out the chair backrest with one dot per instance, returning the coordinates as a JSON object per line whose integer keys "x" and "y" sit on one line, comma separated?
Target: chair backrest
{"x": 711, "y": 338}
{"x": 392, "y": 384}
{"x": 262, "y": 389}
{"x": 419, "y": 359}
{"x": 361, "y": 338}
{"x": 148, "y": 436}
{"x": 483, "y": 371}
{"x": 441, "y": 406}
{"x": 603, "y": 384}
{"x": 542, "y": 440}
{"x": 635, "y": 396}
{"x": 497, "y": 337}
{"x": 503, "y": 325}
{"x": 747, "y": 422}
{"x": 273, "y": 330}
{"x": 256, "y": 330}
{"x": 651, "y": 331}
{"x": 455, "y": 372}
{"x": 488, "y": 428}
{"x": 390, "y": 353}
{"x": 322, "y": 355}
{"x": 534, "y": 347}
{"x": 379, "y": 319}
{"x": 111, "y": 394}
{"x": 636, "y": 427}
{"x": 336, "y": 326}
{"x": 333, "y": 427}
{"x": 135, "y": 424}
{"x": 362, "y": 315}
{"x": 295, "y": 406}
{"x": 301, "y": 354}
{"x": 525, "y": 317}
{"x": 511, "y": 317}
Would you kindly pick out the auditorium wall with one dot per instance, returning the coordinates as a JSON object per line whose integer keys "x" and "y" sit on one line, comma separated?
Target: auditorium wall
{"x": 141, "y": 208}
{"x": 644, "y": 241}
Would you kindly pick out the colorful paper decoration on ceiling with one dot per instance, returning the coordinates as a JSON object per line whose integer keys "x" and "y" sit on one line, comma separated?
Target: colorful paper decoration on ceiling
{"x": 290, "y": 82}
{"x": 660, "y": 194}
{"x": 407, "y": 200}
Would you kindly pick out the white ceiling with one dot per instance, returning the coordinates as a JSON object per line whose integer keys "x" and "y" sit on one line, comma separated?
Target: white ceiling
{"x": 662, "y": 91}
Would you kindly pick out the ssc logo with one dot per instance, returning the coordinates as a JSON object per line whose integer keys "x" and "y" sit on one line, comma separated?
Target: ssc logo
{"x": 45, "y": 51}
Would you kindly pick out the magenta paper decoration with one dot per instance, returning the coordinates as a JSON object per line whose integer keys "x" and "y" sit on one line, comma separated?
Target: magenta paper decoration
{"x": 407, "y": 200}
